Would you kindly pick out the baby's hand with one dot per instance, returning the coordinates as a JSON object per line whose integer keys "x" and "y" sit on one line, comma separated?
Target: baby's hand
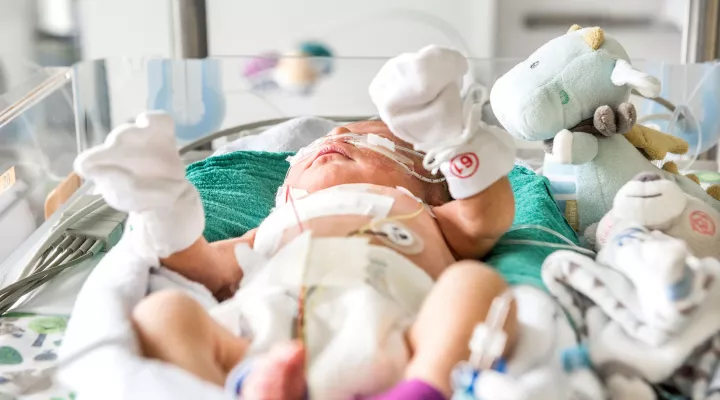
{"x": 418, "y": 95}
{"x": 138, "y": 170}
{"x": 138, "y": 167}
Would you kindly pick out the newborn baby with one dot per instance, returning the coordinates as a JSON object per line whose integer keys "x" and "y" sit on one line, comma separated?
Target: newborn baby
{"x": 352, "y": 287}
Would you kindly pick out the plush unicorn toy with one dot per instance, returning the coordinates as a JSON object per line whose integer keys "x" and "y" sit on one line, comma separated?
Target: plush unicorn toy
{"x": 572, "y": 93}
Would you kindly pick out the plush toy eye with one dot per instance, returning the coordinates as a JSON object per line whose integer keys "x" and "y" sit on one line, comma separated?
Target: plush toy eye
{"x": 535, "y": 64}
{"x": 564, "y": 97}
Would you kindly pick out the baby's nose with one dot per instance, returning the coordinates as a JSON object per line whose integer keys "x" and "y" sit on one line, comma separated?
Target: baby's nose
{"x": 647, "y": 177}
{"x": 339, "y": 131}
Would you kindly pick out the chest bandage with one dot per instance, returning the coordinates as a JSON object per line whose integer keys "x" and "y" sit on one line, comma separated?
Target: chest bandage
{"x": 328, "y": 202}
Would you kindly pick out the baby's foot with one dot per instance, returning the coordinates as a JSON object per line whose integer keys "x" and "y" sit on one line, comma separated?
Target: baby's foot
{"x": 138, "y": 170}
{"x": 280, "y": 375}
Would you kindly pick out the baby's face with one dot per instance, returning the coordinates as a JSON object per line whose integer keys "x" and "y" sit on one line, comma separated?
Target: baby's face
{"x": 338, "y": 163}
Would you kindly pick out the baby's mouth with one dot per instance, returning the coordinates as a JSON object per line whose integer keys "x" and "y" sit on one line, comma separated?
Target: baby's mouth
{"x": 332, "y": 149}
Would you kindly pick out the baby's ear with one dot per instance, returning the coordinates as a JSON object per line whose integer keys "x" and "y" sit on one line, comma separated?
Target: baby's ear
{"x": 625, "y": 75}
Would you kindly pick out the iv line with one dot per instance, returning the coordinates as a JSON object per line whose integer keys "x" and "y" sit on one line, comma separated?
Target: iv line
{"x": 688, "y": 113}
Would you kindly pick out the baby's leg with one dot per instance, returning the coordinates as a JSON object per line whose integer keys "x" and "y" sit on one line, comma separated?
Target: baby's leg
{"x": 440, "y": 337}
{"x": 174, "y": 328}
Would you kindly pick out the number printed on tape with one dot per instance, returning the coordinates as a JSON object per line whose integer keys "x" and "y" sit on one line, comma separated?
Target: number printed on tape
{"x": 7, "y": 180}
{"x": 464, "y": 165}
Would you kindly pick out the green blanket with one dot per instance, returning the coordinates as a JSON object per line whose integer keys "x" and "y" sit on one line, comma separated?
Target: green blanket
{"x": 238, "y": 192}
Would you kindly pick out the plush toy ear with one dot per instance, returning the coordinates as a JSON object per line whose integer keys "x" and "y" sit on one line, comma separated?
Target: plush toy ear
{"x": 594, "y": 37}
{"x": 625, "y": 75}
{"x": 574, "y": 28}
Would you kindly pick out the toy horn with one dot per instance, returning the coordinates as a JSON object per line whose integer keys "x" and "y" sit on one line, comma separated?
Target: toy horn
{"x": 574, "y": 28}
{"x": 594, "y": 37}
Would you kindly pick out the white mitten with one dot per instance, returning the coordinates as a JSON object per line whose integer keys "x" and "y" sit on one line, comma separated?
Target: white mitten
{"x": 138, "y": 170}
{"x": 418, "y": 96}
{"x": 472, "y": 167}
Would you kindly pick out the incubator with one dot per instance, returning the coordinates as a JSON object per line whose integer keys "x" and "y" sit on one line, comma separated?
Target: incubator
{"x": 49, "y": 115}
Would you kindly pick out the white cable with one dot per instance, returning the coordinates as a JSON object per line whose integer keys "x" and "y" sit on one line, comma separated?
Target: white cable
{"x": 544, "y": 229}
{"x": 59, "y": 230}
{"x": 548, "y": 244}
{"x": 570, "y": 244}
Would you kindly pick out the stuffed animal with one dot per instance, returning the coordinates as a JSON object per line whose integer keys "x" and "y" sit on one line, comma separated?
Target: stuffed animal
{"x": 646, "y": 311}
{"x": 298, "y": 71}
{"x": 562, "y": 95}
{"x": 659, "y": 204}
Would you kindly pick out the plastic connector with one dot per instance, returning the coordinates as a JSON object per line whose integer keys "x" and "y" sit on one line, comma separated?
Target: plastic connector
{"x": 488, "y": 340}
{"x": 104, "y": 223}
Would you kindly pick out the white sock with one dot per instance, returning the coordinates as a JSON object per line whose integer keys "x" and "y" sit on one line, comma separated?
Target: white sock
{"x": 418, "y": 96}
{"x": 138, "y": 170}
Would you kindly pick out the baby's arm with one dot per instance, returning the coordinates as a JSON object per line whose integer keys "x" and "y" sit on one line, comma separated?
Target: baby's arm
{"x": 418, "y": 97}
{"x": 138, "y": 170}
{"x": 211, "y": 264}
{"x": 473, "y": 225}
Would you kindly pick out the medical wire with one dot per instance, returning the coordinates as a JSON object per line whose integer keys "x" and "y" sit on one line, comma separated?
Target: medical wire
{"x": 12, "y": 293}
{"x": 548, "y": 244}
{"x": 544, "y": 229}
{"x": 92, "y": 250}
{"x": 371, "y": 225}
{"x": 303, "y": 289}
{"x": 569, "y": 246}
{"x": 59, "y": 230}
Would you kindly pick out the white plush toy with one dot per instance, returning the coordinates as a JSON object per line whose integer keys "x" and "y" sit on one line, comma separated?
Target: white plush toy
{"x": 659, "y": 204}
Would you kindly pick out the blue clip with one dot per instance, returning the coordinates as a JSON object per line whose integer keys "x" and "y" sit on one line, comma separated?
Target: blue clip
{"x": 575, "y": 358}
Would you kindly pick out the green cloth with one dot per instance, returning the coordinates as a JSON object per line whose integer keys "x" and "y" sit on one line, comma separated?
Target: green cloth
{"x": 534, "y": 205}
{"x": 238, "y": 191}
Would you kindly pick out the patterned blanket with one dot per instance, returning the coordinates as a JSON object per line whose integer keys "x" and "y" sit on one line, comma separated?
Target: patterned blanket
{"x": 28, "y": 354}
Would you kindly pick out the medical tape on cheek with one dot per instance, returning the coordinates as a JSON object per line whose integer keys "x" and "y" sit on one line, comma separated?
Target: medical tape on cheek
{"x": 378, "y": 140}
{"x": 319, "y": 204}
